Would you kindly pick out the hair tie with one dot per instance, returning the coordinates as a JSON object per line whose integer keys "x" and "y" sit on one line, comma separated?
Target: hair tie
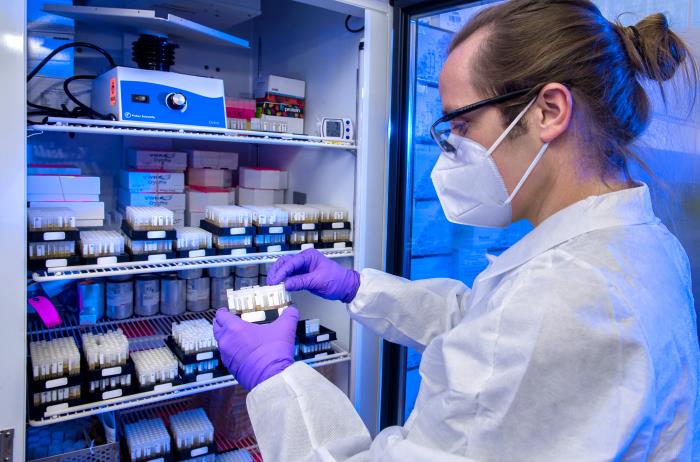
{"x": 637, "y": 40}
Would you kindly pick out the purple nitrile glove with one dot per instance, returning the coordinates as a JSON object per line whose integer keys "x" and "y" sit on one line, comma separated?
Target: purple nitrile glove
{"x": 311, "y": 270}
{"x": 255, "y": 352}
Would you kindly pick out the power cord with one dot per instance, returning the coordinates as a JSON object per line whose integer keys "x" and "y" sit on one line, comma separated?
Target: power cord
{"x": 347, "y": 26}
{"x": 81, "y": 109}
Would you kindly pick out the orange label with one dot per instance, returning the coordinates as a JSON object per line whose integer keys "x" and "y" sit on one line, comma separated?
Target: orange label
{"x": 113, "y": 91}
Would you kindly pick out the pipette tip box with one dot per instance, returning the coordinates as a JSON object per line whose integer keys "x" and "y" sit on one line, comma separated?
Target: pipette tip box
{"x": 142, "y": 235}
{"x": 324, "y": 334}
{"x": 49, "y": 263}
{"x": 272, "y": 248}
{"x": 49, "y": 236}
{"x": 105, "y": 260}
{"x": 226, "y": 231}
{"x": 335, "y": 225}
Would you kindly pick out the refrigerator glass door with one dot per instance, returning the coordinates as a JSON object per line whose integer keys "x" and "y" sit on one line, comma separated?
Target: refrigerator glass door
{"x": 437, "y": 248}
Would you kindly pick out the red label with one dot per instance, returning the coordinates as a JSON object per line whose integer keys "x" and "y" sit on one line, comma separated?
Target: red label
{"x": 113, "y": 91}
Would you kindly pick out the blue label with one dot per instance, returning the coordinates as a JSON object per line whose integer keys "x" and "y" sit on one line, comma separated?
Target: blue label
{"x": 200, "y": 110}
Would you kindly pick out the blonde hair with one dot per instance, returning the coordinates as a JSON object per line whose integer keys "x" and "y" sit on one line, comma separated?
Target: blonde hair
{"x": 533, "y": 42}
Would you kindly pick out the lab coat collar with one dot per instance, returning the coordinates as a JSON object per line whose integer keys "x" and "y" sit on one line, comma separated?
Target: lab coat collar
{"x": 621, "y": 208}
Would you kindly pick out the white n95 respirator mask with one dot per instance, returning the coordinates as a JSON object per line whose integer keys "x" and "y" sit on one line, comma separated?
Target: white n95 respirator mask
{"x": 470, "y": 187}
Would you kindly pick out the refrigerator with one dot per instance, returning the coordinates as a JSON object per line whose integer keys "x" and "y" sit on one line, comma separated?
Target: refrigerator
{"x": 423, "y": 244}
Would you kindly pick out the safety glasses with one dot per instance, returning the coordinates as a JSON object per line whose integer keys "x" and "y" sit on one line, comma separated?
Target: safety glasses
{"x": 445, "y": 127}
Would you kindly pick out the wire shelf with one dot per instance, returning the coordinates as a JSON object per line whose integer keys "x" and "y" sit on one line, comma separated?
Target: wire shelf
{"x": 106, "y": 127}
{"x": 179, "y": 264}
{"x": 146, "y": 333}
{"x": 159, "y": 395}
{"x": 166, "y": 410}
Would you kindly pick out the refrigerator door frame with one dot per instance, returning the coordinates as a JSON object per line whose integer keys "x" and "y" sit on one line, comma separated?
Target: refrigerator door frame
{"x": 393, "y": 390}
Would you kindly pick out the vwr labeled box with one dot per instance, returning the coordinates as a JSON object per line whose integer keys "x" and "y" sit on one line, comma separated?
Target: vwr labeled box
{"x": 174, "y": 201}
{"x": 212, "y": 159}
{"x": 157, "y": 160}
{"x": 153, "y": 181}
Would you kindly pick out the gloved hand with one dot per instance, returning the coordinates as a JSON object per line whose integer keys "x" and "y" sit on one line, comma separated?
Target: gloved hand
{"x": 311, "y": 270}
{"x": 255, "y": 352}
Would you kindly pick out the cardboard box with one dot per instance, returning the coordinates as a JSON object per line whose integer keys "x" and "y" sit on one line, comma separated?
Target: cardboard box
{"x": 193, "y": 218}
{"x": 63, "y": 197}
{"x": 278, "y": 85}
{"x": 248, "y": 196}
{"x": 174, "y": 201}
{"x": 212, "y": 159}
{"x": 198, "y": 198}
{"x": 263, "y": 178}
{"x": 157, "y": 160}
{"x": 153, "y": 181}
{"x": 83, "y": 210}
{"x": 209, "y": 177}
{"x": 63, "y": 184}
{"x": 53, "y": 169}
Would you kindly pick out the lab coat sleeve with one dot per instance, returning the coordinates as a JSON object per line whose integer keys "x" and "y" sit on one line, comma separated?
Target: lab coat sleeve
{"x": 298, "y": 415}
{"x": 410, "y": 313}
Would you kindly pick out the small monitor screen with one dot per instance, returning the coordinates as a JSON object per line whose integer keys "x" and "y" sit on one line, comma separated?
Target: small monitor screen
{"x": 333, "y": 129}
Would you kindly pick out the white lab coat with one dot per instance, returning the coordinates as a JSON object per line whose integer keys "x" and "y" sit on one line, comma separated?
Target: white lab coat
{"x": 579, "y": 343}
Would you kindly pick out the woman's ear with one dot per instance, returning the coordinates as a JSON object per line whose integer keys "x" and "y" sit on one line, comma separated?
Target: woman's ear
{"x": 554, "y": 108}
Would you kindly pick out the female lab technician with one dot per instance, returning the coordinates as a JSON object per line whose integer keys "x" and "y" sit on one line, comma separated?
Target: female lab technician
{"x": 579, "y": 342}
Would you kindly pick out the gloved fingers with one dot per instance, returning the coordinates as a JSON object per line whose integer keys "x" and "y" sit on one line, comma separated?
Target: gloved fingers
{"x": 288, "y": 320}
{"x": 273, "y": 272}
{"x": 228, "y": 321}
{"x": 293, "y": 265}
{"x": 301, "y": 282}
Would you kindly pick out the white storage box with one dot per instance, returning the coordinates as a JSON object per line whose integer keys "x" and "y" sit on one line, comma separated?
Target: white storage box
{"x": 209, "y": 177}
{"x": 193, "y": 218}
{"x": 212, "y": 159}
{"x": 198, "y": 198}
{"x": 157, "y": 160}
{"x": 63, "y": 185}
{"x": 83, "y": 210}
{"x": 139, "y": 181}
{"x": 174, "y": 201}
{"x": 262, "y": 178}
{"x": 277, "y": 85}
{"x": 248, "y": 196}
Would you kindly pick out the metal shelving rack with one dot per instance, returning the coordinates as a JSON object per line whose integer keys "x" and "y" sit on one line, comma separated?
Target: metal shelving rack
{"x": 178, "y": 264}
{"x": 107, "y": 127}
{"x": 146, "y": 333}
